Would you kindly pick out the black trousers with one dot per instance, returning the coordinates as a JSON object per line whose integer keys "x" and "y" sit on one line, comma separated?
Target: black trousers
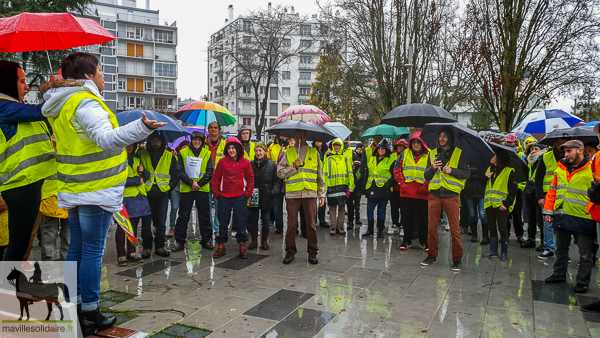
{"x": 534, "y": 216}
{"x": 584, "y": 244}
{"x": 498, "y": 222}
{"x": 186, "y": 202}
{"x": 353, "y": 204}
{"x": 517, "y": 220}
{"x": 159, "y": 205}
{"x": 415, "y": 212}
{"x": 23, "y": 207}
{"x": 146, "y": 230}
{"x": 395, "y": 206}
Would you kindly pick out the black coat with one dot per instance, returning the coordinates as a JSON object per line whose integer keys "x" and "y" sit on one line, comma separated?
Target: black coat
{"x": 267, "y": 182}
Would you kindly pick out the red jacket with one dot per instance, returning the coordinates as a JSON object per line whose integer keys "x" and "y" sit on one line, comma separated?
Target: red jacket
{"x": 412, "y": 189}
{"x": 400, "y": 142}
{"x": 228, "y": 177}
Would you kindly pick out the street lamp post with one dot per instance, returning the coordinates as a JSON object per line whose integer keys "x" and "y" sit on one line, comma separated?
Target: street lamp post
{"x": 409, "y": 65}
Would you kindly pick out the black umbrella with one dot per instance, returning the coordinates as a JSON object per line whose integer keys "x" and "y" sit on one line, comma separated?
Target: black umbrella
{"x": 515, "y": 161}
{"x": 475, "y": 151}
{"x": 417, "y": 115}
{"x": 315, "y": 132}
{"x": 583, "y": 134}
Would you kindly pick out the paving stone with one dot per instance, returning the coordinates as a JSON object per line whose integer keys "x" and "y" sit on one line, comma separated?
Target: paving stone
{"x": 302, "y": 323}
{"x": 176, "y": 330}
{"x": 279, "y": 305}
{"x": 148, "y": 268}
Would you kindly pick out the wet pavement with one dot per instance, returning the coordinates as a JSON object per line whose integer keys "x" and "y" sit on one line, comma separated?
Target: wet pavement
{"x": 362, "y": 287}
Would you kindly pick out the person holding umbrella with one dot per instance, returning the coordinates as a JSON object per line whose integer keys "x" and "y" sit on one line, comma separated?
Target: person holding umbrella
{"x": 339, "y": 177}
{"x": 447, "y": 171}
{"x": 353, "y": 202}
{"x": 500, "y": 193}
{"x": 92, "y": 170}
{"x": 567, "y": 200}
{"x": 302, "y": 173}
{"x": 534, "y": 212}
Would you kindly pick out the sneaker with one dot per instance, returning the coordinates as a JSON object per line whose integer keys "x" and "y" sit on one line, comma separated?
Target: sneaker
{"x": 547, "y": 254}
{"x": 456, "y": 266}
{"x": 332, "y": 232}
{"x": 428, "y": 261}
{"x": 580, "y": 288}
{"x": 425, "y": 247}
{"x": 404, "y": 246}
{"x": 392, "y": 229}
{"x": 178, "y": 247}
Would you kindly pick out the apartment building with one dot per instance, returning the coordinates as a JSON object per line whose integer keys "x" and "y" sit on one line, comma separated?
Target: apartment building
{"x": 291, "y": 87}
{"x": 140, "y": 67}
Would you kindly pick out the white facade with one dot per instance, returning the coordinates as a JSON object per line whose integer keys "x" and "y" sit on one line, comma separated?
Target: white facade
{"x": 140, "y": 67}
{"x": 292, "y": 87}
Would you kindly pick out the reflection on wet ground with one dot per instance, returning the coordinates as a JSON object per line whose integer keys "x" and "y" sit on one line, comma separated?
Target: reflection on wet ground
{"x": 362, "y": 287}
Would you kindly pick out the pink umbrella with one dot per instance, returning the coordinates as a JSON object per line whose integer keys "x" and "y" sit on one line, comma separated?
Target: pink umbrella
{"x": 307, "y": 113}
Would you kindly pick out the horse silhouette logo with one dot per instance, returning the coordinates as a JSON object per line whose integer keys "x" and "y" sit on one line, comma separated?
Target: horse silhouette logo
{"x": 35, "y": 290}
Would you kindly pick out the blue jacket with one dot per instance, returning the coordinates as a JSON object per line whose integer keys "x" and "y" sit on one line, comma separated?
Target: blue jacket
{"x": 13, "y": 112}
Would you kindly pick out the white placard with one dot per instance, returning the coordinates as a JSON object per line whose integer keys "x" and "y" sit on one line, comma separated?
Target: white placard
{"x": 192, "y": 166}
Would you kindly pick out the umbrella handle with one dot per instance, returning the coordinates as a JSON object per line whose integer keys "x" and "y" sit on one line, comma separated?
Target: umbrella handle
{"x": 49, "y": 63}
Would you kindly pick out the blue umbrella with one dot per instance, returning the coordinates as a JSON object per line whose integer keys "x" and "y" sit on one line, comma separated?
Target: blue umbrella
{"x": 546, "y": 121}
{"x": 171, "y": 131}
{"x": 591, "y": 124}
{"x": 339, "y": 129}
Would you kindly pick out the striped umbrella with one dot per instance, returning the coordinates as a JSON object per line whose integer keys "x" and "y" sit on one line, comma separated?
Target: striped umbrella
{"x": 546, "y": 121}
{"x": 307, "y": 113}
{"x": 202, "y": 113}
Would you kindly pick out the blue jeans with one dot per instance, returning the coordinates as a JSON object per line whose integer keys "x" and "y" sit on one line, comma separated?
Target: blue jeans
{"x": 214, "y": 219}
{"x": 239, "y": 206}
{"x": 265, "y": 217}
{"x": 174, "y": 207}
{"x": 548, "y": 236}
{"x": 381, "y": 208}
{"x": 89, "y": 226}
{"x": 278, "y": 210}
{"x": 475, "y": 205}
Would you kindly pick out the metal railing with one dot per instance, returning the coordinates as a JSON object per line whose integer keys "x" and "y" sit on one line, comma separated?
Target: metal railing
{"x": 218, "y": 84}
{"x": 148, "y": 20}
{"x": 147, "y": 38}
{"x": 217, "y": 99}
{"x": 165, "y": 91}
{"x": 218, "y": 69}
{"x": 312, "y": 66}
{"x": 302, "y": 97}
{"x": 302, "y": 82}
{"x": 133, "y": 71}
{"x": 140, "y": 56}
{"x": 247, "y": 111}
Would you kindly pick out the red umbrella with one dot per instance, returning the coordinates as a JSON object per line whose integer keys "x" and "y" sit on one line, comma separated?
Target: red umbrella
{"x": 28, "y": 32}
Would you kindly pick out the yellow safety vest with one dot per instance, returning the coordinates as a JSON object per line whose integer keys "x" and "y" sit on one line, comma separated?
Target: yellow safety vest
{"x": 445, "y": 180}
{"x": 220, "y": 152}
{"x": 161, "y": 175}
{"x": 205, "y": 156}
{"x": 49, "y": 204}
{"x": 380, "y": 173}
{"x": 82, "y": 165}
{"x": 572, "y": 195}
{"x": 132, "y": 172}
{"x": 551, "y": 166}
{"x": 306, "y": 177}
{"x": 249, "y": 156}
{"x": 497, "y": 193}
{"x": 273, "y": 152}
{"x": 27, "y": 157}
{"x": 338, "y": 172}
{"x": 414, "y": 172}
{"x": 49, "y": 188}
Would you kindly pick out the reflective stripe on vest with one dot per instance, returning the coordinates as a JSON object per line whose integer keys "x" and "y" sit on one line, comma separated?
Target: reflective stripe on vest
{"x": 414, "y": 172}
{"x": 550, "y": 162}
{"x": 27, "y": 157}
{"x": 445, "y": 180}
{"x": 205, "y": 156}
{"x": 379, "y": 172}
{"x": 159, "y": 175}
{"x": 497, "y": 193}
{"x": 571, "y": 196}
{"x": 82, "y": 165}
{"x": 132, "y": 172}
{"x": 306, "y": 177}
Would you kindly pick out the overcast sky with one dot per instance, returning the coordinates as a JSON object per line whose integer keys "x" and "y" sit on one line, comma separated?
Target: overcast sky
{"x": 198, "y": 19}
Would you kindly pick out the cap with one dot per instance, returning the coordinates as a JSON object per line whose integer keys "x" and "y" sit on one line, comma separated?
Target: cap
{"x": 511, "y": 138}
{"x": 261, "y": 145}
{"x": 572, "y": 144}
{"x": 198, "y": 134}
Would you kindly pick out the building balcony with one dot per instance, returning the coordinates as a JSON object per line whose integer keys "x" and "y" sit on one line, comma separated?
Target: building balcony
{"x": 218, "y": 84}
{"x": 302, "y": 82}
{"x": 310, "y": 66}
{"x": 246, "y": 96}
{"x": 135, "y": 91}
{"x": 144, "y": 55}
{"x": 146, "y": 20}
{"x": 309, "y": 50}
{"x": 217, "y": 99}
{"x": 170, "y": 91}
{"x": 247, "y": 112}
{"x": 165, "y": 74}
{"x": 302, "y": 97}
{"x": 218, "y": 70}
{"x": 133, "y": 71}
{"x": 217, "y": 53}
{"x": 145, "y": 38}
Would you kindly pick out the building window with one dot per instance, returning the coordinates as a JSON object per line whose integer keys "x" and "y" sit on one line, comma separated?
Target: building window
{"x": 263, "y": 90}
{"x": 165, "y": 69}
{"x": 273, "y": 93}
{"x": 273, "y": 109}
{"x": 305, "y": 43}
{"x": 130, "y": 102}
{"x": 304, "y": 75}
{"x": 305, "y": 59}
{"x": 162, "y": 36}
{"x": 139, "y": 102}
{"x": 284, "y": 106}
{"x": 121, "y": 84}
{"x": 305, "y": 91}
{"x": 161, "y": 103}
{"x": 246, "y": 89}
{"x": 285, "y": 91}
{"x": 164, "y": 86}
{"x": 148, "y": 86}
{"x": 286, "y": 75}
{"x": 247, "y": 121}
{"x": 247, "y": 25}
{"x": 305, "y": 30}
{"x": 286, "y": 43}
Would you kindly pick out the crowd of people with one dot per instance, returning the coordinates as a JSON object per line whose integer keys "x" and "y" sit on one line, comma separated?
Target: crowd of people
{"x": 67, "y": 166}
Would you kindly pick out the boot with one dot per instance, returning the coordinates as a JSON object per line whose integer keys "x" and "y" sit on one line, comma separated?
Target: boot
{"x": 504, "y": 250}
{"x": 493, "y": 248}
{"x": 93, "y": 321}
{"x": 357, "y": 217}
{"x": 380, "y": 227}
{"x": 370, "y": 228}
{"x": 264, "y": 237}
{"x": 473, "y": 226}
{"x": 486, "y": 238}
{"x": 243, "y": 252}
{"x": 220, "y": 251}
{"x": 254, "y": 235}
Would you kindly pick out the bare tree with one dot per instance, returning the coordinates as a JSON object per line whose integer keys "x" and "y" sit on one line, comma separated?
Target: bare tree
{"x": 524, "y": 52}
{"x": 260, "y": 44}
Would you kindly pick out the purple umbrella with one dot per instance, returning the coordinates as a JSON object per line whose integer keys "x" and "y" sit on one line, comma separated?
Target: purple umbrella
{"x": 188, "y": 138}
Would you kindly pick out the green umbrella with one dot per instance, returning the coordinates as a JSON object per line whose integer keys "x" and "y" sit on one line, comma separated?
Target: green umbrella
{"x": 385, "y": 130}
